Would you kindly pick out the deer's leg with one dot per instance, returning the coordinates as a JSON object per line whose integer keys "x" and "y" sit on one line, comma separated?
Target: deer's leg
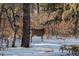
{"x": 47, "y": 37}
{"x": 31, "y": 38}
{"x": 42, "y": 38}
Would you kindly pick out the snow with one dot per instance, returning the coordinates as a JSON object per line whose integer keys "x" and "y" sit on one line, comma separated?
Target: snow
{"x": 49, "y": 47}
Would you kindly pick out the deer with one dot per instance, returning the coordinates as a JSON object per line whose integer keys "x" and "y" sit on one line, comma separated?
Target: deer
{"x": 37, "y": 32}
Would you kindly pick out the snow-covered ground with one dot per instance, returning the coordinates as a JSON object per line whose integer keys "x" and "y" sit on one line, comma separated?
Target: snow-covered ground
{"x": 49, "y": 47}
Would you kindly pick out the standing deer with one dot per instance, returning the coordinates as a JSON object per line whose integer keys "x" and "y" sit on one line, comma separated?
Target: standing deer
{"x": 37, "y": 32}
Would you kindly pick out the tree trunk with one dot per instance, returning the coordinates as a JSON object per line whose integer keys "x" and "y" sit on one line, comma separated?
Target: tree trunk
{"x": 14, "y": 39}
{"x": 31, "y": 8}
{"x": 38, "y": 8}
{"x": 15, "y": 29}
{"x": 26, "y": 26}
{"x": 1, "y": 31}
{"x": 76, "y": 26}
{"x": 44, "y": 9}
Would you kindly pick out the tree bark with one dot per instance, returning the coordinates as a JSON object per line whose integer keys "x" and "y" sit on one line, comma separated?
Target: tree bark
{"x": 14, "y": 39}
{"x": 76, "y": 25}
{"x": 26, "y": 26}
{"x": 15, "y": 29}
{"x": 38, "y": 8}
